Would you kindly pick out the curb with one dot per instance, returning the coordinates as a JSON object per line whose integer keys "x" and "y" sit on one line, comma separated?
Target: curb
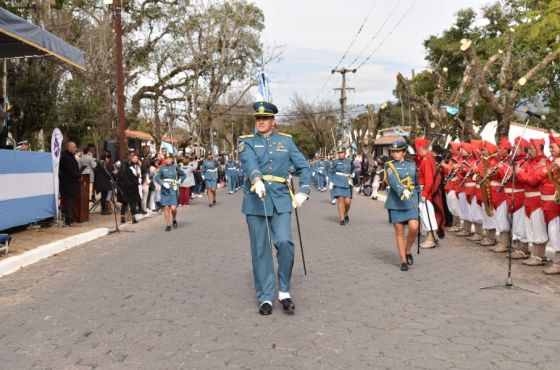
{"x": 13, "y": 264}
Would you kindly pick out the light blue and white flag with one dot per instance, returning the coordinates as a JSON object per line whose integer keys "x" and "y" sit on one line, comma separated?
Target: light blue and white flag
{"x": 56, "y": 151}
{"x": 451, "y": 110}
{"x": 263, "y": 91}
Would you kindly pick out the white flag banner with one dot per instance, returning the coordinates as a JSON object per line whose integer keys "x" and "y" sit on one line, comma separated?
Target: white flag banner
{"x": 56, "y": 151}
{"x": 263, "y": 90}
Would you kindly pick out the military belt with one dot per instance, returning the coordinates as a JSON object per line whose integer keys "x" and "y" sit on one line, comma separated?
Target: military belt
{"x": 547, "y": 198}
{"x": 343, "y": 174}
{"x": 281, "y": 180}
{"x": 529, "y": 194}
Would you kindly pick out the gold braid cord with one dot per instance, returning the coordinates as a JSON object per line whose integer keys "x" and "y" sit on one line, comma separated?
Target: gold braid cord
{"x": 554, "y": 176}
{"x": 486, "y": 190}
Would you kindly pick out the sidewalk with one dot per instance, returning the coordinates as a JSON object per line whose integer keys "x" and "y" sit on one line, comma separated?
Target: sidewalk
{"x": 34, "y": 243}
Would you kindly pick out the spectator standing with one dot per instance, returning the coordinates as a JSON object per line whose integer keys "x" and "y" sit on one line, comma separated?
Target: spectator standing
{"x": 103, "y": 185}
{"x": 128, "y": 183}
{"x": 188, "y": 167}
{"x": 155, "y": 193}
{"x": 69, "y": 174}
{"x": 146, "y": 181}
{"x": 357, "y": 161}
{"x": 87, "y": 161}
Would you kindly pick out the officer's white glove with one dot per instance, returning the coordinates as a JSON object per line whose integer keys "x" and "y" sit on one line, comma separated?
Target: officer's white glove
{"x": 203, "y": 177}
{"x": 260, "y": 189}
{"x": 312, "y": 173}
{"x": 406, "y": 195}
{"x": 331, "y": 186}
{"x": 166, "y": 185}
{"x": 298, "y": 200}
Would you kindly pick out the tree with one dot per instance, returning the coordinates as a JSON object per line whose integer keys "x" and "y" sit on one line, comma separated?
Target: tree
{"x": 318, "y": 120}
{"x": 505, "y": 98}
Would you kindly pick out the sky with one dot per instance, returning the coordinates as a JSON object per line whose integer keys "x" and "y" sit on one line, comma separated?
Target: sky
{"x": 314, "y": 34}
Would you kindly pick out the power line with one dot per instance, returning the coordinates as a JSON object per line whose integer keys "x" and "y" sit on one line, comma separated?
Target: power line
{"x": 377, "y": 32}
{"x": 388, "y": 35}
{"x": 355, "y": 37}
{"x": 346, "y": 52}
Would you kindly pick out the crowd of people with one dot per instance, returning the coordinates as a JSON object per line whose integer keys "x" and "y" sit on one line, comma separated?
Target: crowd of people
{"x": 505, "y": 197}
{"x": 131, "y": 185}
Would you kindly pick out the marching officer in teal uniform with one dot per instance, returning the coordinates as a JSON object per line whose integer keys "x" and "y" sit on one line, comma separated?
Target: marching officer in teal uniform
{"x": 321, "y": 184}
{"x": 239, "y": 175}
{"x": 313, "y": 170}
{"x": 402, "y": 200}
{"x": 341, "y": 184}
{"x": 328, "y": 169}
{"x": 209, "y": 171}
{"x": 231, "y": 176}
{"x": 268, "y": 198}
{"x": 169, "y": 177}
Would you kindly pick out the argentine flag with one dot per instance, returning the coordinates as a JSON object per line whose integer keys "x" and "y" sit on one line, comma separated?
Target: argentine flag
{"x": 263, "y": 91}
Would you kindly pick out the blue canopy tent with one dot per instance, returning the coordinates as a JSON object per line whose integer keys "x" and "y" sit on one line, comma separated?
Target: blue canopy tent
{"x": 27, "y": 178}
{"x": 20, "y": 38}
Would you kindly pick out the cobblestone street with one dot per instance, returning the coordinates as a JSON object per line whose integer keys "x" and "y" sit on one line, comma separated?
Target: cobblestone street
{"x": 184, "y": 299}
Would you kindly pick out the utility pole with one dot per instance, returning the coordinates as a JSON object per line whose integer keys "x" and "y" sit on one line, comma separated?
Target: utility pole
{"x": 343, "y": 126}
{"x": 120, "y": 78}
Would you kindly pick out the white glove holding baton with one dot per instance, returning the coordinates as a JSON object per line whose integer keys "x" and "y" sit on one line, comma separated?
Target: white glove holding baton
{"x": 298, "y": 200}
{"x": 260, "y": 189}
{"x": 331, "y": 186}
{"x": 406, "y": 195}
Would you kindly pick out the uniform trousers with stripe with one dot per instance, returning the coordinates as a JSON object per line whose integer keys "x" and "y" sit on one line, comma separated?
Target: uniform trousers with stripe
{"x": 261, "y": 253}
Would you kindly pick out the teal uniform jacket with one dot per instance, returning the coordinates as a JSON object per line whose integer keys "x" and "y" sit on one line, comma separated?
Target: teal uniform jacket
{"x": 273, "y": 155}
{"x": 174, "y": 176}
{"x": 210, "y": 172}
{"x": 341, "y": 173}
{"x": 402, "y": 210}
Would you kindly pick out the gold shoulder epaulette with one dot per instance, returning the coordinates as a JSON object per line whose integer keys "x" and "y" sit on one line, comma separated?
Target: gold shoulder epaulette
{"x": 284, "y": 134}
{"x": 246, "y": 136}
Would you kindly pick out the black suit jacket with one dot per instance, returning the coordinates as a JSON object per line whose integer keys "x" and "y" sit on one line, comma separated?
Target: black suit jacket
{"x": 68, "y": 174}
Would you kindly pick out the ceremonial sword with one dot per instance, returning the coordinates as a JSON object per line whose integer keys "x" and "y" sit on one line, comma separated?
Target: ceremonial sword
{"x": 298, "y": 230}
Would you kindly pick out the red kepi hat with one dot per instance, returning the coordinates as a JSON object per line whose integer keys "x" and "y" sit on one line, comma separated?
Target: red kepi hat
{"x": 421, "y": 142}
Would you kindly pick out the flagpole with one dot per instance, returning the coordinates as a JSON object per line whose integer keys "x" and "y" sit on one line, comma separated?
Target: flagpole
{"x": 5, "y": 84}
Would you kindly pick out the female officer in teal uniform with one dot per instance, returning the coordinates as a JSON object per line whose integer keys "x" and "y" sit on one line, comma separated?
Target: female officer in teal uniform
{"x": 210, "y": 176}
{"x": 402, "y": 200}
{"x": 341, "y": 184}
{"x": 169, "y": 177}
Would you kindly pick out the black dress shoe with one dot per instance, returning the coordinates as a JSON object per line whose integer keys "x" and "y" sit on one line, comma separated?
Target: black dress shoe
{"x": 404, "y": 267}
{"x": 347, "y": 219}
{"x": 342, "y": 222}
{"x": 134, "y": 220}
{"x": 288, "y": 306}
{"x": 266, "y": 309}
{"x": 214, "y": 202}
{"x": 175, "y": 225}
{"x": 210, "y": 205}
{"x": 409, "y": 259}
{"x": 168, "y": 228}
